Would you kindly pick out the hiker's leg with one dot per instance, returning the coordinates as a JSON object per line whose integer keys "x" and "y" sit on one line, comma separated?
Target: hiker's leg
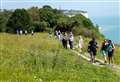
{"x": 105, "y": 56}
{"x": 63, "y": 44}
{"x": 71, "y": 45}
{"x": 94, "y": 54}
{"x": 94, "y": 59}
{"x": 105, "y": 59}
{"x": 90, "y": 56}
{"x": 112, "y": 57}
{"x": 66, "y": 44}
{"x": 109, "y": 60}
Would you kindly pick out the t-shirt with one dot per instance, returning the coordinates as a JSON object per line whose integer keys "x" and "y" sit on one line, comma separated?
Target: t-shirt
{"x": 92, "y": 45}
{"x": 71, "y": 38}
{"x": 104, "y": 46}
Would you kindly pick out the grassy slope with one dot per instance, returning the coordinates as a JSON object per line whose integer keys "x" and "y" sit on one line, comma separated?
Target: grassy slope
{"x": 39, "y": 58}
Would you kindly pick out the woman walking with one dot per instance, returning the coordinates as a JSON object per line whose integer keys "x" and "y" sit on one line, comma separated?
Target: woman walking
{"x": 80, "y": 42}
{"x": 110, "y": 49}
{"x": 104, "y": 50}
{"x": 71, "y": 39}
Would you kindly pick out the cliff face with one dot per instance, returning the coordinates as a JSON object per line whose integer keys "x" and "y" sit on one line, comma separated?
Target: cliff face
{"x": 72, "y": 13}
{"x": 85, "y": 14}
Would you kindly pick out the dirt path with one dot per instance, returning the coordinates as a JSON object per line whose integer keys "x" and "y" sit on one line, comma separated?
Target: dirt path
{"x": 100, "y": 63}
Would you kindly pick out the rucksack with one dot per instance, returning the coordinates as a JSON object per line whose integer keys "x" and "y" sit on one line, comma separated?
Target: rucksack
{"x": 109, "y": 48}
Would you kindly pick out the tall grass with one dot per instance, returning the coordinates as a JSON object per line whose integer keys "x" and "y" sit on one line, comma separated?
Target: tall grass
{"x": 39, "y": 58}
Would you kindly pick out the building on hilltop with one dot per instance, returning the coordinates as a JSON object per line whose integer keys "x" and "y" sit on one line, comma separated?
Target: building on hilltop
{"x": 72, "y": 13}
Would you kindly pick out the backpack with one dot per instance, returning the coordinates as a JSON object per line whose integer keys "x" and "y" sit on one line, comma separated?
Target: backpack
{"x": 109, "y": 48}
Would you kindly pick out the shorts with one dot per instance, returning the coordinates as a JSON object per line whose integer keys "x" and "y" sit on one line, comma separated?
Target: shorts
{"x": 104, "y": 53}
{"x": 110, "y": 54}
{"x": 93, "y": 53}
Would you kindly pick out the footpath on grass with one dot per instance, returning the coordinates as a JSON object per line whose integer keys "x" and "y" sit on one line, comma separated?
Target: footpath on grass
{"x": 99, "y": 62}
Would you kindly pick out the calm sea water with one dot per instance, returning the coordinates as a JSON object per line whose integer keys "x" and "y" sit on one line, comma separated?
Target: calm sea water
{"x": 110, "y": 27}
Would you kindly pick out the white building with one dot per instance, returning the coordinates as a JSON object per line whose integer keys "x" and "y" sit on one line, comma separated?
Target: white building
{"x": 72, "y": 13}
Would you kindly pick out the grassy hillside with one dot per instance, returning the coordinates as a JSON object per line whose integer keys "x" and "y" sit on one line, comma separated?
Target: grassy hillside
{"x": 39, "y": 58}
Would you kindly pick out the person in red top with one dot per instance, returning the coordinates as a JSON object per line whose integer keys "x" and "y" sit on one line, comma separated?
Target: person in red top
{"x": 104, "y": 50}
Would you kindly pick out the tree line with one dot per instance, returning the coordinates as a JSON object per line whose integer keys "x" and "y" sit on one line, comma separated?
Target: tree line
{"x": 46, "y": 19}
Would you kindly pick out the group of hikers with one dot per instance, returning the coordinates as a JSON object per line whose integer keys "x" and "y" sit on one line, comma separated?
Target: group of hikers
{"x": 107, "y": 48}
{"x": 21, "y": 32}
{"x": 67, "y": 39}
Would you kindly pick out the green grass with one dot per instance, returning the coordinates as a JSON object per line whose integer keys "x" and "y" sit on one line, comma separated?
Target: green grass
{"x": 39, "y": 58}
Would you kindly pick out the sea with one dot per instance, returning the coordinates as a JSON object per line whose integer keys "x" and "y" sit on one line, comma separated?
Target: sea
{"x": 109, "y": 26}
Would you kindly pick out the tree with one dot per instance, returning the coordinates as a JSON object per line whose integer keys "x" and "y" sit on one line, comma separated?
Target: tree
{"x": 34, "y": 14}
{"x": 40, "y": 26}
{"x": 19, "y": 19}
{"x": 87, "y": 23}
{"x": 47, "y": 7}
{"x": 47, "y": 14}
{"x": 4, "y": 15}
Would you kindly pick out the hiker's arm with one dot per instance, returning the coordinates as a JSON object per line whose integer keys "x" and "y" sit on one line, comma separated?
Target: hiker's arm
{"x": 113, "y": 46}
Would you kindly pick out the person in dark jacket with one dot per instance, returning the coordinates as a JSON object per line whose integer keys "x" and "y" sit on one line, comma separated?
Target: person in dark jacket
{"x": 92, "y": 48}
{"x": 64, "y": 40}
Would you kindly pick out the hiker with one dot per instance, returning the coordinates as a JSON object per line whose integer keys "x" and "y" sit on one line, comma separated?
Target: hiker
{"x": 110, "y": 49}
{"x": 92, "y": 49}
{"x": 21, "y": 32}
{"x": 17, "y": 31}
{"x": 80, "y": 42}
{"x": 26, "y": 32}
{"x": 59, "y": 35}
{"x": 56, "y": 34}
{"x": 71, "y": 39}
{"x": 104, "y": 50}
{"x": 50, "y": 34}
{"x": 64, "y": 40}
{"x": 32, "y": 32}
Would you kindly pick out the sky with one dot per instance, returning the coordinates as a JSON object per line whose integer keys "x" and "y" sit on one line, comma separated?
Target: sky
{"x": 93, "y": 7}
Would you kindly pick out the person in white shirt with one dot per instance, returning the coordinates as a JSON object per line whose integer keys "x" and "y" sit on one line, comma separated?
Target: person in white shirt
{"x": 21, "y": 32}
{"x": 71, "y": 40}
{"x": 80, "y": 42}
{"x": 59, "y": 35}
{"x": 32, "y": 32}
{"x": 26, "y": 32}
